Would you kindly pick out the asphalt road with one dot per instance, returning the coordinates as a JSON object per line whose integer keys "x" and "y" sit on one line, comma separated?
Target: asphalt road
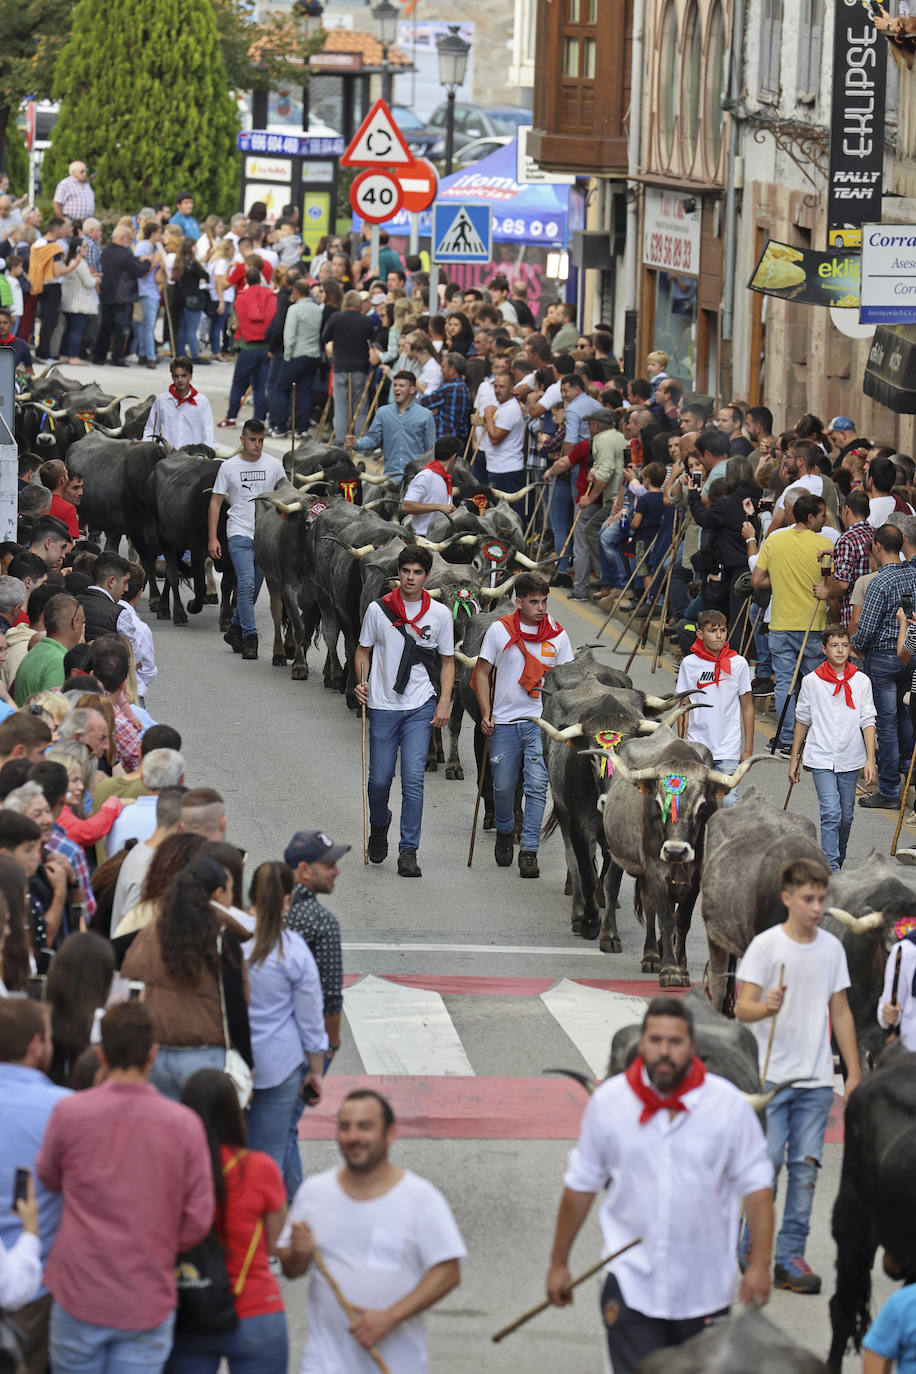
{"x": 481, "y": 945}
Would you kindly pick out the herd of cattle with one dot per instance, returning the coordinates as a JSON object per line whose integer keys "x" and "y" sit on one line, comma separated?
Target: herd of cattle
{"x": 629, "y": 795}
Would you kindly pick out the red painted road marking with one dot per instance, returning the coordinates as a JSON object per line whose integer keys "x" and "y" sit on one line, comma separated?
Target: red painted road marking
{"x": 468, "y": 985}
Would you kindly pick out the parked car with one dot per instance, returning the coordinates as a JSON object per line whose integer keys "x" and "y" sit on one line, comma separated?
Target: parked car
{"x": 418, "y": 136}
{"x": 471, "y": 122}
{"x": 479, "y": 148}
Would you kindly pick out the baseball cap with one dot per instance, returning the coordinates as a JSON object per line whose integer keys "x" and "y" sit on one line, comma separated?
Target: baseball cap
{"x": 841, "y": 422}
{"x": 378, "y": 298}
{"x": 313, "y": 847}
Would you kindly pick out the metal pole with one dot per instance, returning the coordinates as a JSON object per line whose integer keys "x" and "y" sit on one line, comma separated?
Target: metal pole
{"x": 414, "y": 246}
{"x": 450, "y": 131}
{"x": 9, "y": 452}
{"x": 373, "y": 251}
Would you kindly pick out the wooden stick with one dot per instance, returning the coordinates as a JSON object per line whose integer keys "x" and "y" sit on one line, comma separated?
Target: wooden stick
{"x": 791, "y": 691}
{"x": 544, "y": 527}
{"x": 893, "y": 1031}
{"x": 349, "y": 402}
{"x": 766, "y": 1062}
{"x": 574, "y": 1283}
{"x": 173, "y": 345}
{"x": 483, "y": 769}
{"x": 637, "y": 564}
{"x": 347, "y": 1307}
{"x": 359, "y": 403}
{"x": 751, "y": 630}
{"x": 292, "y": 416}
{"x": 909, "y": 778}
{"x": 364, "y": 729}
{"x": 371, "y": 411}
{"x": 322, "y": 418}
{"x": 572, "y": 528}
{"x": 537, "y": 506}
{"x": 663, "y": 619}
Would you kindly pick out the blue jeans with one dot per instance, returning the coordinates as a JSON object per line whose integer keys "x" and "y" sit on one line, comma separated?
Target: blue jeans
{"x": 188, "y": 325}
{"x": 728, "y": 766}
{"x": 796, "y": 1122}
{"x": 610, "y": 544}
{"x": 836, "y": 796}
{"x": 764, "y": 657}
{"x": 893, "y": 732}
{"x": 301, "y": 371}
{"x": 507, "y": 481}
{"x": 560, "y": 498}
{"x": 258, "y": 1345}
{"x": 217, "y": 328}
{"x": 270, "y": 1114}
{"x": 408, "y": 731}
{"x": 784, "y": 647}
{"x": 277, "y": 404}
{"x": 144, "y": 343}
{"x": 514, "y": 747}
{"x": 249, "y": 578}
{"x": 174, "y": 1066}
{"x": 80, "y": 1348}
{"x": 74, "y": 327}
{"x": 250, "y": 369}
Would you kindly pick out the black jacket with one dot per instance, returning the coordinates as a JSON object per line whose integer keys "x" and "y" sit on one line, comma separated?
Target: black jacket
{"x": 725, "y": 518}
{"x": 101, "y": 613}
{"x": 120, "y": 273}
{"x": 275, "y": 337}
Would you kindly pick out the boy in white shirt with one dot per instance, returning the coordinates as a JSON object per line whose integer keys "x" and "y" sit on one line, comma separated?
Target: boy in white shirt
{"x": 800, "y": 973}
{"x": 835, "y": 720}
{"x": 897, "y": 1003}
{"x": 429, "y": 492}
{"x": 516, "y": 652}
{"x": 719, "y": 681}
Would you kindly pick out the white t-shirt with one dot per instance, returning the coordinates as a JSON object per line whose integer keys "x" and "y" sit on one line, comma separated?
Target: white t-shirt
{"x": 718, "y": 723}
{"x": 219, "y": 268}
{"x": 387, "y": 645}
{"x": 811, "y": 481}
{"x": 814, "y": 972}
{"x": 241, "y": 482}
{"x": 430, "y": 376}
{"x": 880, "y": 507}
{"x": 509, "y": 455}
{"x": 429, "y": 489}
{"x": 510, "y": 700}
{"x": 377, "y": 1251}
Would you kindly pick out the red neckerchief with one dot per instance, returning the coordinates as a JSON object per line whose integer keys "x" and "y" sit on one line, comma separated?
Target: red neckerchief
{"x": 650, "y": 1099}
{"x": 436, "y": 467}
{"x": 395, "y": 602}
{"x": 721, "y": 660}
{"x": 534, "y": 670}
{"x": 181, "y": 399}
{"x": 8, "y": 339}
{"x": 826, "y": 673}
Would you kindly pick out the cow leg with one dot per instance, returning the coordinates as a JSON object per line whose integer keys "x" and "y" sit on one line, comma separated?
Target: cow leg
{"x": 644, "y": 907}
{"x": 670, "y": 974}
{"x": 608, "y": 936}
{"x": 227, "y": 595}
{"x": 198, "y": 577}
{"x": 717, "y": 976}
{"x": 432, "y": 752}
{"x": 453, "y": 770}
{"x": 211, "y": 598}
{"x": 301, "y": 628}
{"x": 278, "y": 659}
{"x": 179, "y": 616}
{"x": 855, "y": 1233}
{"x": 682, "y": 920}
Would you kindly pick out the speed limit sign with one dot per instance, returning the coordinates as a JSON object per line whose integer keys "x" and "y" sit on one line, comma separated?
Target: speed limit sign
{"x": 375, "y": 196}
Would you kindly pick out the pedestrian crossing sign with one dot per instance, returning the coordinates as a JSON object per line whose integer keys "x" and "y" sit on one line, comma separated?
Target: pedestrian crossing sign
{"x": 462, "y": 233}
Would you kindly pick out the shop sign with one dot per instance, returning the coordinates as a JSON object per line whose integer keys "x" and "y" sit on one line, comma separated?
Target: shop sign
{"x": 671, "y": 232}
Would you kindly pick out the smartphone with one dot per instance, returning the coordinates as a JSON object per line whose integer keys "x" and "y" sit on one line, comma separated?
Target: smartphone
{"x": 37, "y": 987}
{"x": 308, "y": 1094}
{"x": 21, "y": 1187}
{"x": 696, "y": 480}
{"x": 907, "y": 604}
{"x": 135, "y": 990}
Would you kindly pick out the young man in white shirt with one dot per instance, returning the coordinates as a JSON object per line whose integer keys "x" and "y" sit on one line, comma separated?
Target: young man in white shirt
{"x": 835, "y": 721}
{"x": 181, "y": 415}
{"x": 676, "y": 1149}
{"x": 239, "y": 481}
{"x": 503, "y": 440}
{"x": 897, "y": 1003}
{"x": 429, "y": 493}
{"x": 430, "y": 375}
{"x": 405, "y": 669}
{"x": 719, "y": 681}
{"x": 516, "y": 652}
{"x": 387, "y": 1237}
{"x": 799, "y": 972}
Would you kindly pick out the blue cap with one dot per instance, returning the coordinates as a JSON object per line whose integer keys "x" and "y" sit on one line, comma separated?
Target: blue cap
{"x": 841, "y": 422}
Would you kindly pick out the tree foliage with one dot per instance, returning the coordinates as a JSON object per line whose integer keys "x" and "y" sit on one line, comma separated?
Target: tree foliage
{"x": 256, "y": 53}
{"x": 145, "y": 103}
{"x": 31, "y": 35}
{"x": 16, "y": 163}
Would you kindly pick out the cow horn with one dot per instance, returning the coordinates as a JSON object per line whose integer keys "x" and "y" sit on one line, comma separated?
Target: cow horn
{"x": 730, "y": 780}
{"x": 492, "y": 593}
{"x": 310, "y": 479}
{"x": 465, "y": 659}
{"x": 560, "y": 736}
{"x": 25, "y": 396}
{"x": 857, "y": 924}
{"x": 513, "y": 495}
{"x": 526, "y": 562}
{"x": 435, "y": 593}
{"x": 49, "y": 368}
{"x": 759, "y": 1102}
{"x": 663, "y": 703}
{"x": 647, "y": 727}
{"x": 58, "y": 414}
{"x": 423, "y": 543}
{"x": 465, "y": 540}
{"x": 634, "y": 774}
{"x": 374, "y": 479}
{"x": 109, "y": 433}
{"x": 589, "y": 1084}
{"x": 681, "y": 709}
{"x": 272, "y": 499}
{"x": 125, "y": 396}
{"x": 360, "y": 552}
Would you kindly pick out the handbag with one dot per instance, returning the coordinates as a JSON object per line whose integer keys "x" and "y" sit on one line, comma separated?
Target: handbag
{"x": 235, "y": 1066}
{"x": 205, "y": 1303}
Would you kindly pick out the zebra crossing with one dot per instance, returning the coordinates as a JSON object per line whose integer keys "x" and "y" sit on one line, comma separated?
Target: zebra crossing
{"x": 446, "y": 1051}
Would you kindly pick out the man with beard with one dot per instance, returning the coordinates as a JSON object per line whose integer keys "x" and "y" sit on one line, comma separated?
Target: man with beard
{"x": 677, "y": 1149}
{"x": 387, "y": 1237}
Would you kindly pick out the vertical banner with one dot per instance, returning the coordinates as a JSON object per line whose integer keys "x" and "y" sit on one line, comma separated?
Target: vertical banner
{"x": 854, "y": 182}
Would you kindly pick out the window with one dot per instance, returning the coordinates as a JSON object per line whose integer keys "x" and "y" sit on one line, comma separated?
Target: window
{"x": 770, "y": 39}
{"x": 810, "y": 46}
{"x": 691, "y": 94}
{"x": 571, "y": 57}
{"x": 588, "y": 58}
{"x": 667, "y": 80}
{"x": 715, "y": 73}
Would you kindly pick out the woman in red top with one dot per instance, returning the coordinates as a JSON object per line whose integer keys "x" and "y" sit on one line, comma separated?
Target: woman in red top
{"x": 250, "y": 1212}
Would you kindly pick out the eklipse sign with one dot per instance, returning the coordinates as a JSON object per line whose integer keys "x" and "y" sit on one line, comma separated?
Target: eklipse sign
{"x": 856, "y": 118}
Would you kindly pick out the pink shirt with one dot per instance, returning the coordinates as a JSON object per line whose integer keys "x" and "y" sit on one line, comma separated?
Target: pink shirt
{"x": 137, "y": 1183}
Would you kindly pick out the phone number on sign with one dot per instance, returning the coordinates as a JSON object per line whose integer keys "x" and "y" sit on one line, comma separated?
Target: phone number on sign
{"x": 667, "y": 250}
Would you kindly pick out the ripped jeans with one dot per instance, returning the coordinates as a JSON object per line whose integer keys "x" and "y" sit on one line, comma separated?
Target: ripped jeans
{"x": 516, "y": 746}
{"x": 796, "y": 1122}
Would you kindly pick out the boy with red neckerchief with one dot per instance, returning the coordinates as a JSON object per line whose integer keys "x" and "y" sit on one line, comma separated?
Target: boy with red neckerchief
{"x": 181, "y": 415}
{"x": 519, "y": 648}
{"x": 429, "y": 492}
{"x": 719, "y": 680}
{"x": 835, "y": 720}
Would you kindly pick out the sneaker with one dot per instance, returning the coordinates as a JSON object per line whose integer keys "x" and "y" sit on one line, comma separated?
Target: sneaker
{"x": 250, "y": 647}
{"x": 744, "y": 1249}
{"x": 278, "y": 433}
{"x": 378, "y": 842}
{"x": 407, "y": 864}
{"x": 795, "y": 1273}
{"x": 578, "y": 596}
{"x": 233, "y": 637}
{"x": 783, "y": 751}
{"x": 763, "y": 687}
{"x": 878, "y": 801}
{"x": 528, "y": 863}
{"x": 504, "y": 849}
{"x": 561, "y": 580}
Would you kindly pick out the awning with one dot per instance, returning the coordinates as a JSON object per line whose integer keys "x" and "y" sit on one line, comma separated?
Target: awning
{"x": 890, "y": 373}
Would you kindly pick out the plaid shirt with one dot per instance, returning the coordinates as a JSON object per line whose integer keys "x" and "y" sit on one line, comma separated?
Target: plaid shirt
{"x": 321, "y": 932}
{"x": 75, "y": 198}
{"x": 851, "y": 561}
{"x": 876, "y": 631}
{"x": 59, "y": 844}
{"x": 451, "y": 406}
{"x": 127, "y": 739}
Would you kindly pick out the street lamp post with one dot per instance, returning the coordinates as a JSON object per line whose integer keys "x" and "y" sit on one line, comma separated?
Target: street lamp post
{"x": 453, "y": 61}
{"x": 385, "y": 15}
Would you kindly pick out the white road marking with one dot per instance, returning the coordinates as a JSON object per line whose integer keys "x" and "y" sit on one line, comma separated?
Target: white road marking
{"x": 552, "y": 950}
{"x": 400, "y": 1030}
{"x": 591, "y": 1017}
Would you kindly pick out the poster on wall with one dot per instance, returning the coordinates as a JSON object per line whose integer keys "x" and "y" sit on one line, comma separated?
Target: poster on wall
{"x": 857, "y": 114}
{"x": 807, "y": 276}
{"x": 671, "y": 232}
{"x": 888, "y": 274}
